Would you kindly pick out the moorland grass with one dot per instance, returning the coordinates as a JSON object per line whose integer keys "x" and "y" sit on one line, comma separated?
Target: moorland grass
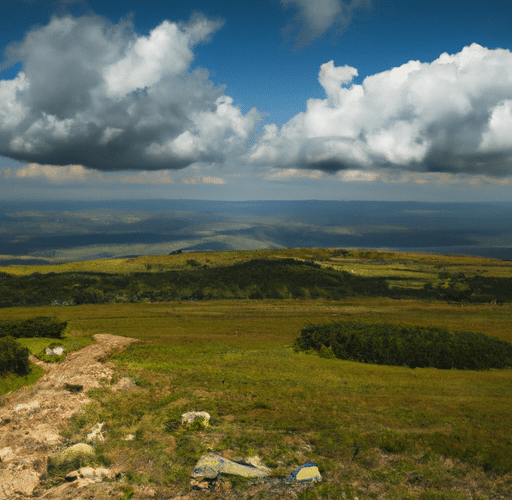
{"x": 373, "y": 430}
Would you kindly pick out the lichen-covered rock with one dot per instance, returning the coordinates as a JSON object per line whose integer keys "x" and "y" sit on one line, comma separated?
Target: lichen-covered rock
{"x": 306, "y": 472}
{"x": 74, "y": 457}
{"x": 211, "y": 465}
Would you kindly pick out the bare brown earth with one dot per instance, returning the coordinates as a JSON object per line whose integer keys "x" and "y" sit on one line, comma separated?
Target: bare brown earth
{"x": 32, "y": 419}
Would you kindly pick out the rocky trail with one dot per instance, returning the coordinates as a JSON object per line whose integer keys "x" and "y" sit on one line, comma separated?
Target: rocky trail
{"x": 32, "y": 418}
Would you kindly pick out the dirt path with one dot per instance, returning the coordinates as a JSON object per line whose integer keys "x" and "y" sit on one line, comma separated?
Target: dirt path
{"x": 32, "y": 418}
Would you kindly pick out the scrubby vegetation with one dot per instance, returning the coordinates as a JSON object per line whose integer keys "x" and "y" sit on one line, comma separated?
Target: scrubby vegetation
{"x": 256, "y": 279}
{"x": 41, "y": 326}
{"x": 13, "y": 357}
{"x": 391, "y": 344}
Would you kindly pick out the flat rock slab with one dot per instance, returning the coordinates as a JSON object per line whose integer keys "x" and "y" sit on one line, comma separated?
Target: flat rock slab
{"x": 211, "y": 465}
{"x": 306, "y": 472}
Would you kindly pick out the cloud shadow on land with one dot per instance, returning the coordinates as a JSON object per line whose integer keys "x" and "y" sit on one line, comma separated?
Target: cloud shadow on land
{"x": 82, "y": 230}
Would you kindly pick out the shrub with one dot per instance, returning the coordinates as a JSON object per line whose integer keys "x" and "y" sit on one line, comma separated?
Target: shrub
{"x": 41, "y": 326}
{"x": 13, "y": 357}
{"x": 390, "y": 344}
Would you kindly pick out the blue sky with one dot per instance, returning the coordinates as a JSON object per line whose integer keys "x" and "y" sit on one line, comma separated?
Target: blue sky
{"x": 275, "y": 99}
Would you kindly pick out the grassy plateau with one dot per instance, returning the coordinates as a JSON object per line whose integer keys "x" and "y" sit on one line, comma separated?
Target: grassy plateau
{"x": 376, "y": 432}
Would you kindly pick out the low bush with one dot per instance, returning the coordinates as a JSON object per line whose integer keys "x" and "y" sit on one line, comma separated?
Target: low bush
{"x": 13, "y": 357}
{"x": 41, "y": 326}
{"x": 391, "y": 344}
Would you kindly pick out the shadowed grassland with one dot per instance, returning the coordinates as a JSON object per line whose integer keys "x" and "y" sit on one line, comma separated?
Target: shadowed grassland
{"x": 375, "y": 431}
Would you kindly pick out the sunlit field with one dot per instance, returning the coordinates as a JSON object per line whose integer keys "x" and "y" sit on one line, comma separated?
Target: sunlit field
{"x": 375, "y": 431}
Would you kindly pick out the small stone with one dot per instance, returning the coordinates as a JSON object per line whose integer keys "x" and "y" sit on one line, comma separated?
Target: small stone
{"x": 223, "y": 485}
{"x": 192, "y": 416}
{"x": 6, "y": 454}
{"x": 72, "y": 476}
{"x": 95, "y": 435}
{"x": 56, "y": 351}
{"x": 199, "y": 485}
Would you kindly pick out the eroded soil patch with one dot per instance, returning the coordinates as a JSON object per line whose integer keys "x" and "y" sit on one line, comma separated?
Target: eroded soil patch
{"x": 32, "y": 418}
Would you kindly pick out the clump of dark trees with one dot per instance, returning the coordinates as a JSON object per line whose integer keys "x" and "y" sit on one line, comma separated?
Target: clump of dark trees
{"x": 13, "y": 356}
{"x": 255, "y": 279}
{"x": 41, "y": 326}
{"x": 390, "y": 344}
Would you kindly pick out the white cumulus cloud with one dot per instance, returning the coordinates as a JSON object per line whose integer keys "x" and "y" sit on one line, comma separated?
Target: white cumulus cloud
{"x": 100, "y": 95}
{"x": 451, "y": 115}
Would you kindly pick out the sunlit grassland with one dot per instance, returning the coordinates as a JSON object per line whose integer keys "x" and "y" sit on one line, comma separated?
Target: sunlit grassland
{"x": 72, "y": 341}
{"x": 14, "y": 382}
{"x": 375, "y": 431}
{"x": 421, "y": 268}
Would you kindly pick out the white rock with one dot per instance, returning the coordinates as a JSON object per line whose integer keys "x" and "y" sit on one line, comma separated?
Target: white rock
{"x": 56, "y": 351}
{"x": 96, "y": 474}
{"x": 191, "y": 416}
{"x": 95, "y": 435}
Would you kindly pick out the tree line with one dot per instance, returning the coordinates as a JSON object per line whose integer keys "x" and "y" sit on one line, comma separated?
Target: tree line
{"x": 255, "y": 279}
